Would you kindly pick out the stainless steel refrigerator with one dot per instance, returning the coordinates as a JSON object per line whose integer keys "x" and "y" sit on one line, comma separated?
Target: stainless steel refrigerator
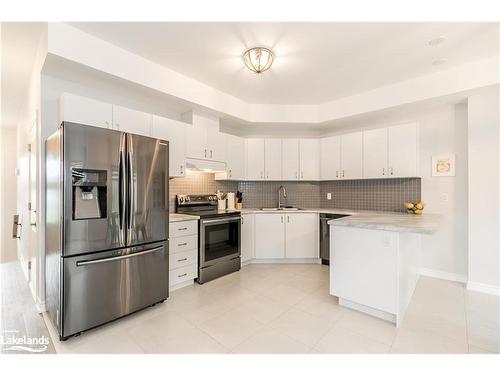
{"x": 106, "y": 225}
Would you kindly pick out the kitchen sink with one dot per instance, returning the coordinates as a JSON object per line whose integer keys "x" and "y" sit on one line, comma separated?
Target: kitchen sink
{"x": 280, "y": 209}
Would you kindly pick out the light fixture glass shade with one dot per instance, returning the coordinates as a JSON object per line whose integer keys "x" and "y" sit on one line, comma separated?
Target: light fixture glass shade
{"x": 258, "y": 59}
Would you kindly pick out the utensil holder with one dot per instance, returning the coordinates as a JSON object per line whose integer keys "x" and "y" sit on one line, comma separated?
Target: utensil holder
{"x": 221, "y": 204}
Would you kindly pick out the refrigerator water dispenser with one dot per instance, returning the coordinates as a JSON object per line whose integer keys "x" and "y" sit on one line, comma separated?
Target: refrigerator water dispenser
{"x": 89, "y": 194}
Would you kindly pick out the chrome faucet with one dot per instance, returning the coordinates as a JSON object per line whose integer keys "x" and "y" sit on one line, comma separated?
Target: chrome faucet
{"x": 281, "y": 188}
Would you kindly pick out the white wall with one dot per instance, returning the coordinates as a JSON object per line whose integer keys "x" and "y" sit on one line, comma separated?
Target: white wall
{"x": 484, "y": 187}
{"x": 8, "y": 164}
{"x": 444, "y": 131}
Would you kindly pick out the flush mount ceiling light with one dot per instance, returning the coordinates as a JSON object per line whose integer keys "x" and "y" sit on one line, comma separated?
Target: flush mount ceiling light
{"x": 258, "y": 59}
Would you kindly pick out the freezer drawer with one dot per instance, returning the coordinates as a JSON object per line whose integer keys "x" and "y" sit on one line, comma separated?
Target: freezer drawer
{"x": 104, "y": 286}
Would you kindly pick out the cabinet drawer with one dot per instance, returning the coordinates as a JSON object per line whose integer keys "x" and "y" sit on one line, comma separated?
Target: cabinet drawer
{"x": 182, "y": 259}
{"x": 183, "y": 244}
{"x": 182, "y": 274}
{"x": 183, "y": 228}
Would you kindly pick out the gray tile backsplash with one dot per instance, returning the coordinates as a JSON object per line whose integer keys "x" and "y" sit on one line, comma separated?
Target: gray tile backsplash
{"x": 197, "y": 183}
{"x": 380, "y": 194}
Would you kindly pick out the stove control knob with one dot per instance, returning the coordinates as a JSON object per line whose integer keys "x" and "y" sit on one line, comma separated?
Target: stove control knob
{"x": 188, "y": 199}
{"x": 210, "y": 198}
{"x": 181, "y": 199}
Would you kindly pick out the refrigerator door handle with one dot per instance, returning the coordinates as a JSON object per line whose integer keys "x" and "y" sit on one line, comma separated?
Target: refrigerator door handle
{"x": 121, "y": 257}
{"x": 122, "y": 188}
{"x": 130, "y": 192}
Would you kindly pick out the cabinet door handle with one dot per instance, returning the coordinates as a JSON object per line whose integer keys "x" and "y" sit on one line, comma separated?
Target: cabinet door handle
{"x": 211, "y": 156}
{"x": 182, "y": 244}
{"x": 337, "y": 174}
{"x": 343, "y": 173}
{"x": 205, "y": 152}
{"x": 392, "y": 171}
{"x": 288, "y": 219}
{"x": 302, "y": 175}
{"x": 182, "y": 169}
{"x": 182, "y": 228}
{"x": 184, "y": 274}
{"x": 242, "y": 220}
{"x": 383, "y": 171}
{"x": 182, "y": 260}
{"x": 281, "y": 219}
{"x": 297, "y": 175}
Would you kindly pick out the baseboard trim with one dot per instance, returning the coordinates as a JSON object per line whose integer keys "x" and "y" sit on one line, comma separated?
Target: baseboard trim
{"x": 368, "y": 310}
{"x": 443, "y": 275}
{"x": 41, "y": 307}
{"x": 287, "y": 260}
{"x": 483, "y": 288}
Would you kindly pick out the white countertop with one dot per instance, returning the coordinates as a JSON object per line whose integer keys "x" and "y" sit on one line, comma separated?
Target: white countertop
{"x": 381, "y": 220}
{"x": 181, "y": 217}
{"x": 395, "y": 222}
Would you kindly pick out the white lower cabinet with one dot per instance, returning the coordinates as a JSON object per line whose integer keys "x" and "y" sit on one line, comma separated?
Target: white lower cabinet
{"x": 183, "y": 253}
{"x": 301, "y": 236}
{"x": 284, "y": 235}
{"x": 269, "y": 236}
{"x": 247, "y": 237}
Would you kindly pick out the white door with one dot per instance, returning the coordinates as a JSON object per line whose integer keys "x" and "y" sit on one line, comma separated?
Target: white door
{"x": 269, "y": 236}
{"x": 290, "y": 159}
{"x": 196, "y": 142}
{"x": 235, "y": 157}
{"x": 255, "y": 158}
{"x": 272, "y": 159}
{"x": 131, "y": 121}
{"x": 302, "y": 236}
{"x": 309, "y": 159}
{"x": 375, "y": 153}
{"x": 352, "y": 156}
{"x": 247, "y": 237}
{"x": 330, "y": 158}
{"x": 216, "y": 145}
{"x": 175, "y": 133}
{"x": 403, "y": 144}
{"x": 81, "y": 110}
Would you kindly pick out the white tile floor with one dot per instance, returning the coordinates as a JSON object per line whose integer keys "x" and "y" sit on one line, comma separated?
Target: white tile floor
{"x": 286, "y": 308}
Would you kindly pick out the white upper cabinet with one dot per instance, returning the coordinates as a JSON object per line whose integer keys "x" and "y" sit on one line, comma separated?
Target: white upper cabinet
{"x": 205, "y": 141}
{"x": 82, "y": 110}
{"x": 255, "y": 159}
{"x": 290, "y": 159}
{"x": 272, "y": 162}
{"x": 302, "y": 236}
{"x": 235, "y": 157}
{"x": 131, "y": 121}
{"x": 403, "y": 150}
{"x": 309, "y": 161}
{"x": 330, "y": 158}
{"x": 375, "y": 153}
{"x": 175, "y": 133}
{"x": 351, "y": 156}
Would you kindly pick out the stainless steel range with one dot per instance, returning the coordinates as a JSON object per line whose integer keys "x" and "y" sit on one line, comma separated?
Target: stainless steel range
{"x": 219, "y": 249}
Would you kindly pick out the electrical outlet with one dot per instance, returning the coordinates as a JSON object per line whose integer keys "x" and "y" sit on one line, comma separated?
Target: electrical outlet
{"x": 386, "y": 241}
{"x": 329, "y": 196}
{"x": 444, "y": 197}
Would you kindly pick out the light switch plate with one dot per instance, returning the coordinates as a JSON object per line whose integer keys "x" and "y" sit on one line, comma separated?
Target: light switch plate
{"x": 329, "y": 196}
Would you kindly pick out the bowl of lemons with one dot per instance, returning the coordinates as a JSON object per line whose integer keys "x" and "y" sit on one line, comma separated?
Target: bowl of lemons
{"x": 415, "y": 208}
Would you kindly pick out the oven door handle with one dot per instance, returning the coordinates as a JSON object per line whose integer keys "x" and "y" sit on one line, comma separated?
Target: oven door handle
{"x": 218, "y": 221}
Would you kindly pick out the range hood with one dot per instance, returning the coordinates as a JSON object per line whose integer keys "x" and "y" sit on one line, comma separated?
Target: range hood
{"x": 201, "y": 165}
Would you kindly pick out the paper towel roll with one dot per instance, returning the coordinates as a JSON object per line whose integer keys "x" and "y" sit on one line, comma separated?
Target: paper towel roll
{"x": 230, "y": 201}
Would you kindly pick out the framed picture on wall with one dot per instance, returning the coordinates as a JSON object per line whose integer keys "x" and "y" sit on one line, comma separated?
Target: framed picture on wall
{"x": 443, "y": 165}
